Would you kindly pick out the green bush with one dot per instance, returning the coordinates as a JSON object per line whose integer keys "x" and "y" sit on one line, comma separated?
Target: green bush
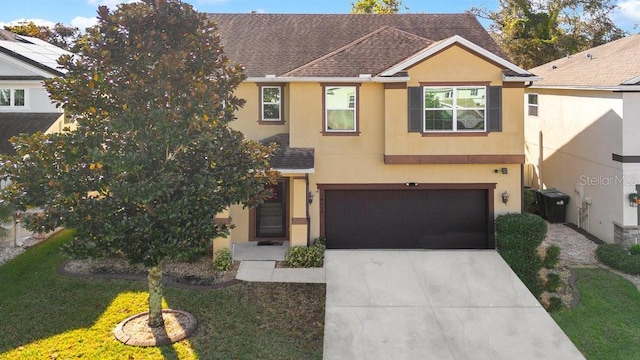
{"x": 526, "y": 266}
{"x": 634, "y": 249}
{"x": 531, "y": 201}
{"x": 555, "y": 304}
{"x": 306, "y": 257}
{"x": 222, "y": 260}
{"x": 553, "y": 282}
{"x": 518, "y": 238}
{"x": 552, "y": 258}
{"x": 530, "y": 230}
{"x": 615, "y": 256}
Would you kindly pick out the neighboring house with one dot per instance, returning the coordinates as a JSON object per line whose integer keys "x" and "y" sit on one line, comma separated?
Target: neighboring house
{"x": 582, "y": 131}
{"x": 25, "y": 106}
{"x": 395, "y": 131}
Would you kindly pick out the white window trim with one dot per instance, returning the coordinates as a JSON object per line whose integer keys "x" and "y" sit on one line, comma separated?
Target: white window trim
{"x": 530, "y": 105}
{"x": 354, "y": 108}
{"x": 456, "y": 108}
{"x": 12, "y": 98}
{"x": 263, "y": 103}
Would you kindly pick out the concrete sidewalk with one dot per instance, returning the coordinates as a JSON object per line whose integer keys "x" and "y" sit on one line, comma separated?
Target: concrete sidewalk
{"x": 266, "y": 271}
{"x": 434, "y": 305}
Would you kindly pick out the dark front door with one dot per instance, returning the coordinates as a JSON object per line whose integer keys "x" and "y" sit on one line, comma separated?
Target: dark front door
{"x": 271, "y": 216}
{"x": 410, "y": 219}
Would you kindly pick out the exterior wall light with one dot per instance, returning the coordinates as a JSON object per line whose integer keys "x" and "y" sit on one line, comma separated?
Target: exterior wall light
{"x": 310, "y": 196}
{"x": 505, "y": 197}
{"x": 633, "y": 199}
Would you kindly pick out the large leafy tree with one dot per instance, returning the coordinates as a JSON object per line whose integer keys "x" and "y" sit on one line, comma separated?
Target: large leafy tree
{"x": 376, "y": 6}
{"x": 153, "y": 158}
{"x": 61, "y": 35}
{"x": 534, "y": 32}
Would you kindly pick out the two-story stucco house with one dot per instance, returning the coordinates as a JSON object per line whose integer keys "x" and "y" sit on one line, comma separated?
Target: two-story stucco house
{"x": 395, "y": 131}
{"x": 25, "y": 106}
{"x": 582, "y": 131}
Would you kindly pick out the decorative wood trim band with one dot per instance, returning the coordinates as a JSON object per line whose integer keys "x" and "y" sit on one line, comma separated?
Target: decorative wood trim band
{"x": 454, "y": 159}
{"x": 513, "y": 85}
{"x": 399, "y": 85}
{"x": 299, "y": 221}
{"x": 628, "y": 159}
{"x": 226, "y": 221}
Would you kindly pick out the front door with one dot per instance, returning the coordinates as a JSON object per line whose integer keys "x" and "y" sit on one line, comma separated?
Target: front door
{"x": 271, "y": 216}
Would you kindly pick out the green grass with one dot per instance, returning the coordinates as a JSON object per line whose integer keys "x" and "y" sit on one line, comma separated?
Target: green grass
{"x": 606, "y": 323}
{"x": 46, "y": 315}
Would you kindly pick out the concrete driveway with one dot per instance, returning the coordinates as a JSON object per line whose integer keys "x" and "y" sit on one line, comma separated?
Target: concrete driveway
{"x": 440, "y": 305}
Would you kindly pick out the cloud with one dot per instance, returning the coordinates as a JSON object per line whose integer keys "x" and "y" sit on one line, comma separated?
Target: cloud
{"x": 83, "y": 23}
{"x": 111, "y": 4}
{"x": 628, "y": 11}
{"x": 39, "y": 22}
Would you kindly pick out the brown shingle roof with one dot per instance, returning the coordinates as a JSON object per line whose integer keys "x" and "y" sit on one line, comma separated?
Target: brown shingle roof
{"x": 610, "y": 64}
{"x": 289, "y": 158}
{"x": 13, "y": 124}
{"x": 371, "y": 54}
{"x": 275, "y": 44}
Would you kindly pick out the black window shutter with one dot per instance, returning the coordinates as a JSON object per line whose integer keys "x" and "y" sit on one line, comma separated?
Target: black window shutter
{"x": 415, "y": 108}
{"x": 494, "y": 109}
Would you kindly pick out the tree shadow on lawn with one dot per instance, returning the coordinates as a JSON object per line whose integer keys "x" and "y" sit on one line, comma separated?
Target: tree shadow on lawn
{"x": 44, "y": 314}
{"x": 37, "y": 303}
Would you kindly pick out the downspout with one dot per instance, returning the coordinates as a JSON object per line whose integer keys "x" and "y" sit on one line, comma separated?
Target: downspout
{"x": 307, "y": 204}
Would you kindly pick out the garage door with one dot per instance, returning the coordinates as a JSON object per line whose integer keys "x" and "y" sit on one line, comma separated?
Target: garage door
{"x": 407, "y": 219}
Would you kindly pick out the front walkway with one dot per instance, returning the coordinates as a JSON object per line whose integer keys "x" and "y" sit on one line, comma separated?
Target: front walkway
{"x": 266, "y": 271}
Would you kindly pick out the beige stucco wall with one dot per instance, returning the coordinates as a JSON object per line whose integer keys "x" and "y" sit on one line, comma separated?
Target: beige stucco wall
{"x": 383, "y": 130}
{"x": 580, "y": 131}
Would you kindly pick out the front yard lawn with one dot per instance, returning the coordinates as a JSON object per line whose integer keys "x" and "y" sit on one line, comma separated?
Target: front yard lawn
{"x": 606, "y": 323}
{"x": 46, "y": 315}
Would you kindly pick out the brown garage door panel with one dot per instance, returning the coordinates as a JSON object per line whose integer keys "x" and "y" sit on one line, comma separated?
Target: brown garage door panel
{"x": 411, "y": 219}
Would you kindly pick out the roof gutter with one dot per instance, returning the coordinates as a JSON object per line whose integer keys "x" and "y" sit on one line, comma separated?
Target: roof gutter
{"x": 331, "y": 79}
{"x": 619, "y": 88}
{"x": 521, "y": 78}
{"x": 296, "y": 171}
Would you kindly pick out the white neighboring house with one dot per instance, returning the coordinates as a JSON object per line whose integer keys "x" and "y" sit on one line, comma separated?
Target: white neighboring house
{"x": 582, "y": 132}
{"x": 25, "y": 106}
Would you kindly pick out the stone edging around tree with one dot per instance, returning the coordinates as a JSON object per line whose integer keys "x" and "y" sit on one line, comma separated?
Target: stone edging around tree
{"x": 135, "y": 330}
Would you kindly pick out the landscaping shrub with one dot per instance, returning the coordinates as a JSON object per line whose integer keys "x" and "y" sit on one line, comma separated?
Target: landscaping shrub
{"x": 634, "y": 249}
{"x": 222, "y": 259}
{"x": 531, "y": 230}
{"x": 518, "y": 238}
{"x": 552, "y": 258}
{"x": 531, "y": 201}
{"x": 306, "y": 257}
{"x": 615, "y": 256}
{"x": 553, "y": 282}
{"x": 555, "y": 304}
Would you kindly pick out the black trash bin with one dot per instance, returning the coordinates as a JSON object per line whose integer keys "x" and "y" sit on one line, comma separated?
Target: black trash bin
{"x": 553, "y": 205}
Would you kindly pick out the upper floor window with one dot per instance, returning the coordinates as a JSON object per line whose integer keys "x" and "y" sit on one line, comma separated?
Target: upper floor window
{"x": 454, "y": 108}
{"x": 532, "y": 104}
{"x": 271, "y": 110}
{"x": 12, "y": 97}
{"x": 341, "y": 109}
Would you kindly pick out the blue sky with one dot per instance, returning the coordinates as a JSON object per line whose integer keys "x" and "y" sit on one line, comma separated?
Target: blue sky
{"x": 81, "y": 13}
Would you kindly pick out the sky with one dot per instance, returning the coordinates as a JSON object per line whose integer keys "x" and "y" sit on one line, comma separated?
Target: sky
{"x": 81, "y": 13}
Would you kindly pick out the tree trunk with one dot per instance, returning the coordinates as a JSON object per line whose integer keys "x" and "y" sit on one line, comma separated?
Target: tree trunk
{"x": 155, "y": 297}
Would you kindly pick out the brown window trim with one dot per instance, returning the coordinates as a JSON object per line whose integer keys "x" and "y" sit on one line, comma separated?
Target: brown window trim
{"x": 457, "y": 133}
{"x": 324, "y": 110}
{"x": 262, "y": 121}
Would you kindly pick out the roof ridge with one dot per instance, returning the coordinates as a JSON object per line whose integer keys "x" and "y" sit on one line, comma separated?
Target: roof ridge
{"x": 351, "y": 45}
